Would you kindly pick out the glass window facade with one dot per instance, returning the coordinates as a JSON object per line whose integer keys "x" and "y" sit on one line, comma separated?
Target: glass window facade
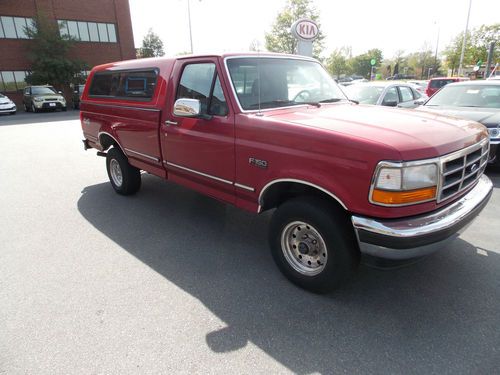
{"x": 12, "y": 80}
{"x": 14, "y": 27}
{"x": 88, "y": 31}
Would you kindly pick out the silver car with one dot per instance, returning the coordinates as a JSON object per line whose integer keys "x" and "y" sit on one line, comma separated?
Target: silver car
{"x": 7, "y": 105}
{"x": 390, "y": 94}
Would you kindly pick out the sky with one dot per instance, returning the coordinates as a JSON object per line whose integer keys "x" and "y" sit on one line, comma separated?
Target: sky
{"x": 232, "y": 25}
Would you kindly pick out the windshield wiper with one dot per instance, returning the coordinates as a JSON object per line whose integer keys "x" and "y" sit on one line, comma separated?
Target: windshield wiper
{"x": 283, "y": 103}
{"x": 331, "y": 100}
{"x": 279, "y": 103}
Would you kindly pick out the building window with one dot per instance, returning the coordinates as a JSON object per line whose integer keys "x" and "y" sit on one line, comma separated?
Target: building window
{"x": 88, "y": 31}
{"x": 15, "y": 27}
{"x": 12, "y": 80}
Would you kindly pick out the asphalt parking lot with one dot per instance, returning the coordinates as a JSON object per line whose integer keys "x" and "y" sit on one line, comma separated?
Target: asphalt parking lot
{"x": 170, "y": 281}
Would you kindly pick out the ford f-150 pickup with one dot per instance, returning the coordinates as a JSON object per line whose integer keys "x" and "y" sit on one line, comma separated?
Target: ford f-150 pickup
{"x": 269, "y": 131}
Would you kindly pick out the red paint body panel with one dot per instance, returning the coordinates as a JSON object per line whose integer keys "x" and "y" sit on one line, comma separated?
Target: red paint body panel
{"x": 335, "y": 147}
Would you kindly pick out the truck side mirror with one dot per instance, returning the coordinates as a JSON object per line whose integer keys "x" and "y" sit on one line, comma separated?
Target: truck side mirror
{"x": 187, "y": 107}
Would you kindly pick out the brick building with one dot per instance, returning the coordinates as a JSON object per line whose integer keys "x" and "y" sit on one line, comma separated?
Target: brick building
{"x": 103, "y": 29}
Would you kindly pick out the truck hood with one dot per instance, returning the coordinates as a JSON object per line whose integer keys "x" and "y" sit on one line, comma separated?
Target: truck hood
{"x": 415, "y": 135}
{"x": 489, "y": 117}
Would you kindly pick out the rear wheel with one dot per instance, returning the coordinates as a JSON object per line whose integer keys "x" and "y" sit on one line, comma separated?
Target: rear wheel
{"x": 124, "y": 178}
{"x": 313, "y": 244}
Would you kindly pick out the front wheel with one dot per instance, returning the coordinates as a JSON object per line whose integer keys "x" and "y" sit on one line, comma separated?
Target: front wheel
{"x": 124, "y": 178}
{"x": 33, "y": 108}
{"x": 313, "y": 244}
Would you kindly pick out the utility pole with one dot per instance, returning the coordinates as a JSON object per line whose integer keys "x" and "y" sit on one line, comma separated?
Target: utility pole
{"x": 190, "y": 33}
{"x": 436, "y": 54}
{"x": 491, "y": 53}
{"x": 464, "y": 41}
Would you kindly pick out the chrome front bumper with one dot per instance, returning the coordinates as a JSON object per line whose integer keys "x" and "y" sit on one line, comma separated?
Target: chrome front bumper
{"x": 412, "y": 237}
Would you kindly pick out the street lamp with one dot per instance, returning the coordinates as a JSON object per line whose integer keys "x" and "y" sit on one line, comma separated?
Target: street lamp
{"x": 464, "y": 41}
{"x": 436, "y": 54}
{"x": 189, "y": 20}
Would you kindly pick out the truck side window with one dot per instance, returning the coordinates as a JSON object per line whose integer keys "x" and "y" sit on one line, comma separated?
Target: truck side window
{"x": 197, "y": 82}
{"x": 218, "y": 105}
{"x": 136, "y": 85}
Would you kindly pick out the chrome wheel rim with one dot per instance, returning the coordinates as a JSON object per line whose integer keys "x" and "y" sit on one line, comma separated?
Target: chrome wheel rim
{"x": 116, "y": 172}
{"x": 304, "y": 248}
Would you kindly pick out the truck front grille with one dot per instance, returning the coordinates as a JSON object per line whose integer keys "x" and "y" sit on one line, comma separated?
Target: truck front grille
{"x": 462, "y": 169}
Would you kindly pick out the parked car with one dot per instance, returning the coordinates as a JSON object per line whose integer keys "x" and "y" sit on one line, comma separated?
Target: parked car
{"x": 345, "y": 179}
{"x": 436, "y": 83}
{"x": 399, "y": 76}
{"x": 474, "y": 100}
{"x": 420, "y": 85}
{"x": 37, "y": 98}
{"x": 7, "y": 105}
{"x": 386, "y": 93}
{"x": 77, "y": 96}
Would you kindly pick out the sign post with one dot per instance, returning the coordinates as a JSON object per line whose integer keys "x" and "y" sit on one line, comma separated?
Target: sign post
{"x": 372, "y": 63}
{"x": 305, "y": 31}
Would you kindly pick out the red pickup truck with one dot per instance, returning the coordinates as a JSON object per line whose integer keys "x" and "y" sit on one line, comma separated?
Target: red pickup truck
{"x": 267, "y": 131}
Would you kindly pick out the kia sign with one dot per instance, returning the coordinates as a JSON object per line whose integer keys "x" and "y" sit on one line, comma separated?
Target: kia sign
{"x": 305, "y": 30}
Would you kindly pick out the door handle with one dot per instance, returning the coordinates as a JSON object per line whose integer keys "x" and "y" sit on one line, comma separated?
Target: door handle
{"x": 173, "y": 123}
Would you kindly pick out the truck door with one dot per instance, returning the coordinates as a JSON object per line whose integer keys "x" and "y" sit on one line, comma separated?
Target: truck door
{"x": 199, "y": 152}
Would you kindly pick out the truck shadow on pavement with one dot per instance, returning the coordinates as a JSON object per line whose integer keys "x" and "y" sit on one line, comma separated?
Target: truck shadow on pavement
{"x": 440, "y": 315}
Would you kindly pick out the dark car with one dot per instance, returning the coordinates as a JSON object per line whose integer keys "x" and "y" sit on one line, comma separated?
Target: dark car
{"x": 474, "y": 100}
{"x": 77, "y": 96}
{"x": 37, "y": 98}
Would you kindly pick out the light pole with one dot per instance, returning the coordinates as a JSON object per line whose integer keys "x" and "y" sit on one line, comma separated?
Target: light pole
{"x": 464, "y": 41}
{"x": 436, "y": 54}
{"x": 190, "y": 32}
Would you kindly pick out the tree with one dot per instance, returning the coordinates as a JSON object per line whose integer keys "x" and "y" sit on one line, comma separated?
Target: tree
{"x": 280, "y": 39}
{"x": 361, "y": 64}
{"x": 337, "y": 63}
{"x": 152, "y": 46}
{"x": 49, "y": 55}
{"x": 478, "y": 42}
{"x": 420, "y": 62}
{"x": 255, "y": 45}
{"x": 453, "y": 51}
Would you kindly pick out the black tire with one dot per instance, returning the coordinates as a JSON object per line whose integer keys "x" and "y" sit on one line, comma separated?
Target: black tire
{"x": 33, "y": 108}
{"x": 130, "y": 176}
{"x": 26, "y": 108}
{"x": 64, "y": 109}
{"x": 326, "y": 224}
{"x": 12, "y": 113}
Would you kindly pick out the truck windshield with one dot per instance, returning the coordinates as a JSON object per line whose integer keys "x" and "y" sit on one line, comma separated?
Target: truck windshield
{"x": 261, "y": 82}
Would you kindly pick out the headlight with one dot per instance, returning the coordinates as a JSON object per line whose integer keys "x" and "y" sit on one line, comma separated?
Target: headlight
{"x": 399, "y": 184}
{"x": 494, "y": 132}
{"x": 38, "y": 99}
{"x": 61, "y": 99}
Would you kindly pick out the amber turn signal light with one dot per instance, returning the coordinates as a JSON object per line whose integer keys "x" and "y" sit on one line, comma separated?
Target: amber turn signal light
{"x": 403, "y": 197}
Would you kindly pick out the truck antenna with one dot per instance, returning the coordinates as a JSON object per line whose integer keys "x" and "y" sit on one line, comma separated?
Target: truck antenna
{"x": 259, "y": 113}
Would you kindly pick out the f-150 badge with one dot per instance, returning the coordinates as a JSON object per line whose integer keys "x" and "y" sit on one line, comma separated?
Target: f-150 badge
{"x": 258, "y": 163}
